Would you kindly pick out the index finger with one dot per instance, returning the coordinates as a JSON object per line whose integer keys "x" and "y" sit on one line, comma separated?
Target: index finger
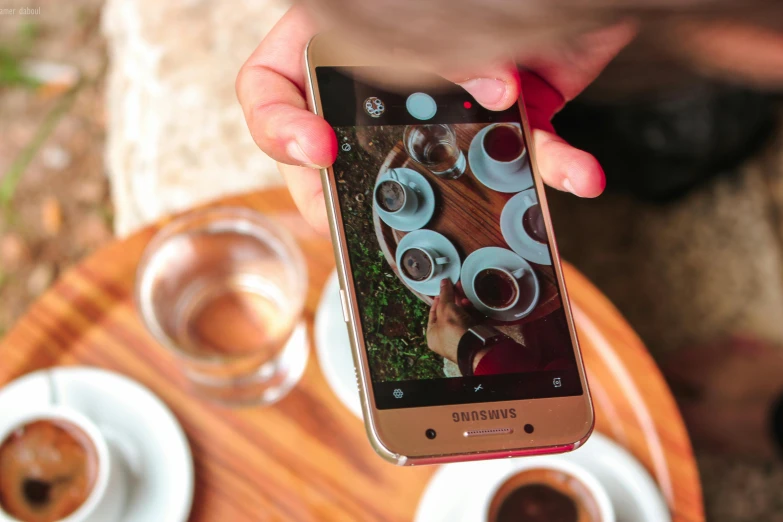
{"x": 270, "y": 89}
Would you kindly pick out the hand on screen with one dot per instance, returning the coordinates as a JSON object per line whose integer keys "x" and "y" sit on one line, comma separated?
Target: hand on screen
{"x": 448, "y": 322}
{"x": 271, "y": 85}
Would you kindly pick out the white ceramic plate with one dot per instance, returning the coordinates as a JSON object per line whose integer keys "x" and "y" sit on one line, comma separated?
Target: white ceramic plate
{"x": 509, "y": 183}
{"x": 457, "y": 490}
{"x": 426, "y": 207}
{"x": 440, "y": 244}
{"x": 514, "y": 232}
{"x": 134, "y": 421}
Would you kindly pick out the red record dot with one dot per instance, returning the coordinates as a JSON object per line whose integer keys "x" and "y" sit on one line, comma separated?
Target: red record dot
{"x": 467, "y": 105}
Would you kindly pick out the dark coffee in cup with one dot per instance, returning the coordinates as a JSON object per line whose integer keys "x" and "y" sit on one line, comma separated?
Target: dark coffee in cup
{"x": 495, "y": 288}
{"x": 503, "y": 143}
{"x": 543, "y": 495}
{"x": 416, "y": 264}
{"x": 390, "y": 196}
{"x": 533, "y": 223}
{"x": 47, "y": 470}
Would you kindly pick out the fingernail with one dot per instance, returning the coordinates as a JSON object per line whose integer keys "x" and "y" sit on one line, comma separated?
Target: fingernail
{"x": 443, "y": 282}
{"x": 487, "y": 91}
{"x": 298, "y": 154}
{"x": 570, "y": 188}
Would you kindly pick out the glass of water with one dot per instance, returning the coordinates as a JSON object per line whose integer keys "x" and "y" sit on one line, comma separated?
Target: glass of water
{"x": 223, "y": 289}
{"x": 435, "y": 148}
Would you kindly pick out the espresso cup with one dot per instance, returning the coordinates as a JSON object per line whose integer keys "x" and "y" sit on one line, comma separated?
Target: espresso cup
{"x": 563, "y": 488}
{"x": 433, "y": 258}
{"x": 106, "y": 500}
{"x": 504, "y": 148}
{"x": 504, "y": 277}
{"x": 410, "y": 199}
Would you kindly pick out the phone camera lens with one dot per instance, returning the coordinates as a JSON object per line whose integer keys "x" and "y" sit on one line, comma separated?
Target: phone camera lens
{"x": 431, "y": 434}
{"x": 529, "y": 428}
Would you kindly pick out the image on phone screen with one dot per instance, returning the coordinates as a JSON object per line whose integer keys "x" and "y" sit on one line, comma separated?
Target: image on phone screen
{"x": 445, "y": 236}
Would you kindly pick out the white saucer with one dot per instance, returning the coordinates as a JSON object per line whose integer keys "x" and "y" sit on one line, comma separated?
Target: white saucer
{"x": 457, "y": 490}
{"x": 514, "y": 232}
{"x": 135, "y": 422}
{"x": 510, "y": 183}
{"x": 501, "y": 258}
{"x": 426, "y": 208}
{"x": 439, "y": 243}
{"x": 333, "y": 347}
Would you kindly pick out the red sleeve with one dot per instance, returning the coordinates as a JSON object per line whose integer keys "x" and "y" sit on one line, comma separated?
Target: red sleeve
{"x": 507, "y": 356}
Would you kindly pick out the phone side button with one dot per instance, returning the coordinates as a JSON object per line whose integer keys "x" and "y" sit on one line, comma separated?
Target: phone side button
{"x": 344, "y": 305}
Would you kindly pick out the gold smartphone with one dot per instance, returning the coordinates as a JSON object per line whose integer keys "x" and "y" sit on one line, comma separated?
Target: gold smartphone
{"x": 451, "y": 283}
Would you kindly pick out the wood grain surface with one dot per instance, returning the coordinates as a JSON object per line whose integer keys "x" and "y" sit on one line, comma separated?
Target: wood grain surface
{"x": 468, "y": 213}
{"x": 307, "y": 458}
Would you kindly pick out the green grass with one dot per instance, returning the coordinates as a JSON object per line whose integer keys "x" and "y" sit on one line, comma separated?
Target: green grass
{"x": 393, "y": 318}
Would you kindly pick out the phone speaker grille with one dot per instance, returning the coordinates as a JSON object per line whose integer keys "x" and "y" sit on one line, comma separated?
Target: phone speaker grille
{"x": 489, "y": 431}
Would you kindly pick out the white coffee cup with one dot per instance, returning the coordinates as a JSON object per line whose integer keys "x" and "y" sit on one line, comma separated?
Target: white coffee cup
{"x": 106, "y": 501}
{"x": 410, "y": 202}
{"x": 512, "y": 277}
{"x": 437, "y": 262}
{"x": 479, "y": 510}
{"x": 510, "y": 166}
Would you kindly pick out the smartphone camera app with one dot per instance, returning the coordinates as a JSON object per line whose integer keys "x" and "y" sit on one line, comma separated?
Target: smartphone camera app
{"x": 449, "y": 253}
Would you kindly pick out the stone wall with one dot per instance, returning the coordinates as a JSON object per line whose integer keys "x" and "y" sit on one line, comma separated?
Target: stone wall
{"x": 176, "y": 135}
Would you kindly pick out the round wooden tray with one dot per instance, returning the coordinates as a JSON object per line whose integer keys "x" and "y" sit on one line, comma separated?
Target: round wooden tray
{"x": 468, "y": 213}
{"x": 307, "y": 458}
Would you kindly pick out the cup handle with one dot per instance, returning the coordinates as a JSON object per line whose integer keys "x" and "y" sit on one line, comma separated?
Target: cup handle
{"x": 519, "y": 273}
{"x": 441, "y": 260}
{"x": 393, "y": 175}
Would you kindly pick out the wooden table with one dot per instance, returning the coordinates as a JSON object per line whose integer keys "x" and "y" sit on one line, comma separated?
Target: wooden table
{"x": 307, "y": 458}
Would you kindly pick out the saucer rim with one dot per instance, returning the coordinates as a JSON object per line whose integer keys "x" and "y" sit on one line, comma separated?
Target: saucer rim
{"x": 540, "y": 251}
{"x": 653, "y": 507}
{"x": 457, "y": 265}
{"x": 497, "y": 315}
{"x": 476, "y": 158}
{"x": 427, "y": 209}
{"x": 181, "y": 506}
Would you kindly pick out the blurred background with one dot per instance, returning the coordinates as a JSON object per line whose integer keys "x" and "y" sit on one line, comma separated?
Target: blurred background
{"x": 115, "y": 112}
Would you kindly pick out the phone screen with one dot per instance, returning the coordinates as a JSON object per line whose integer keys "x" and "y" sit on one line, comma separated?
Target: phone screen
{"x": 431, "y": 187}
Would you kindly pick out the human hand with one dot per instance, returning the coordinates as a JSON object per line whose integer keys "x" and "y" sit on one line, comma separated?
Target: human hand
{"x": 448, "y": 322}
{"x": 271, "y": 85}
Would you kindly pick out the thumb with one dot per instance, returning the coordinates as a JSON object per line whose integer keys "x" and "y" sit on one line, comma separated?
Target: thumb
{"x": 496, "y": 87}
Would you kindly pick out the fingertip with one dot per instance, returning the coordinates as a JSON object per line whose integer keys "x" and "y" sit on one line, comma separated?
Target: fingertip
{"x": 496, "y": 94}
{"x": 293, "y": 135}
{"x": 317, "y": 140}
{"x": 584, "y": 176}
{"x": 566, "y": 168}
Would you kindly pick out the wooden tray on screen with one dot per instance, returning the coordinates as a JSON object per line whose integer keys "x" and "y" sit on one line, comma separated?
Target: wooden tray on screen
{"x": 467, "y": 212}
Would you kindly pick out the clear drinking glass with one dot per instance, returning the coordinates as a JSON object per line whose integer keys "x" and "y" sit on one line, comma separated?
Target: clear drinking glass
{"x": 435, "y": 148}
{"x": 223, "y": 289}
